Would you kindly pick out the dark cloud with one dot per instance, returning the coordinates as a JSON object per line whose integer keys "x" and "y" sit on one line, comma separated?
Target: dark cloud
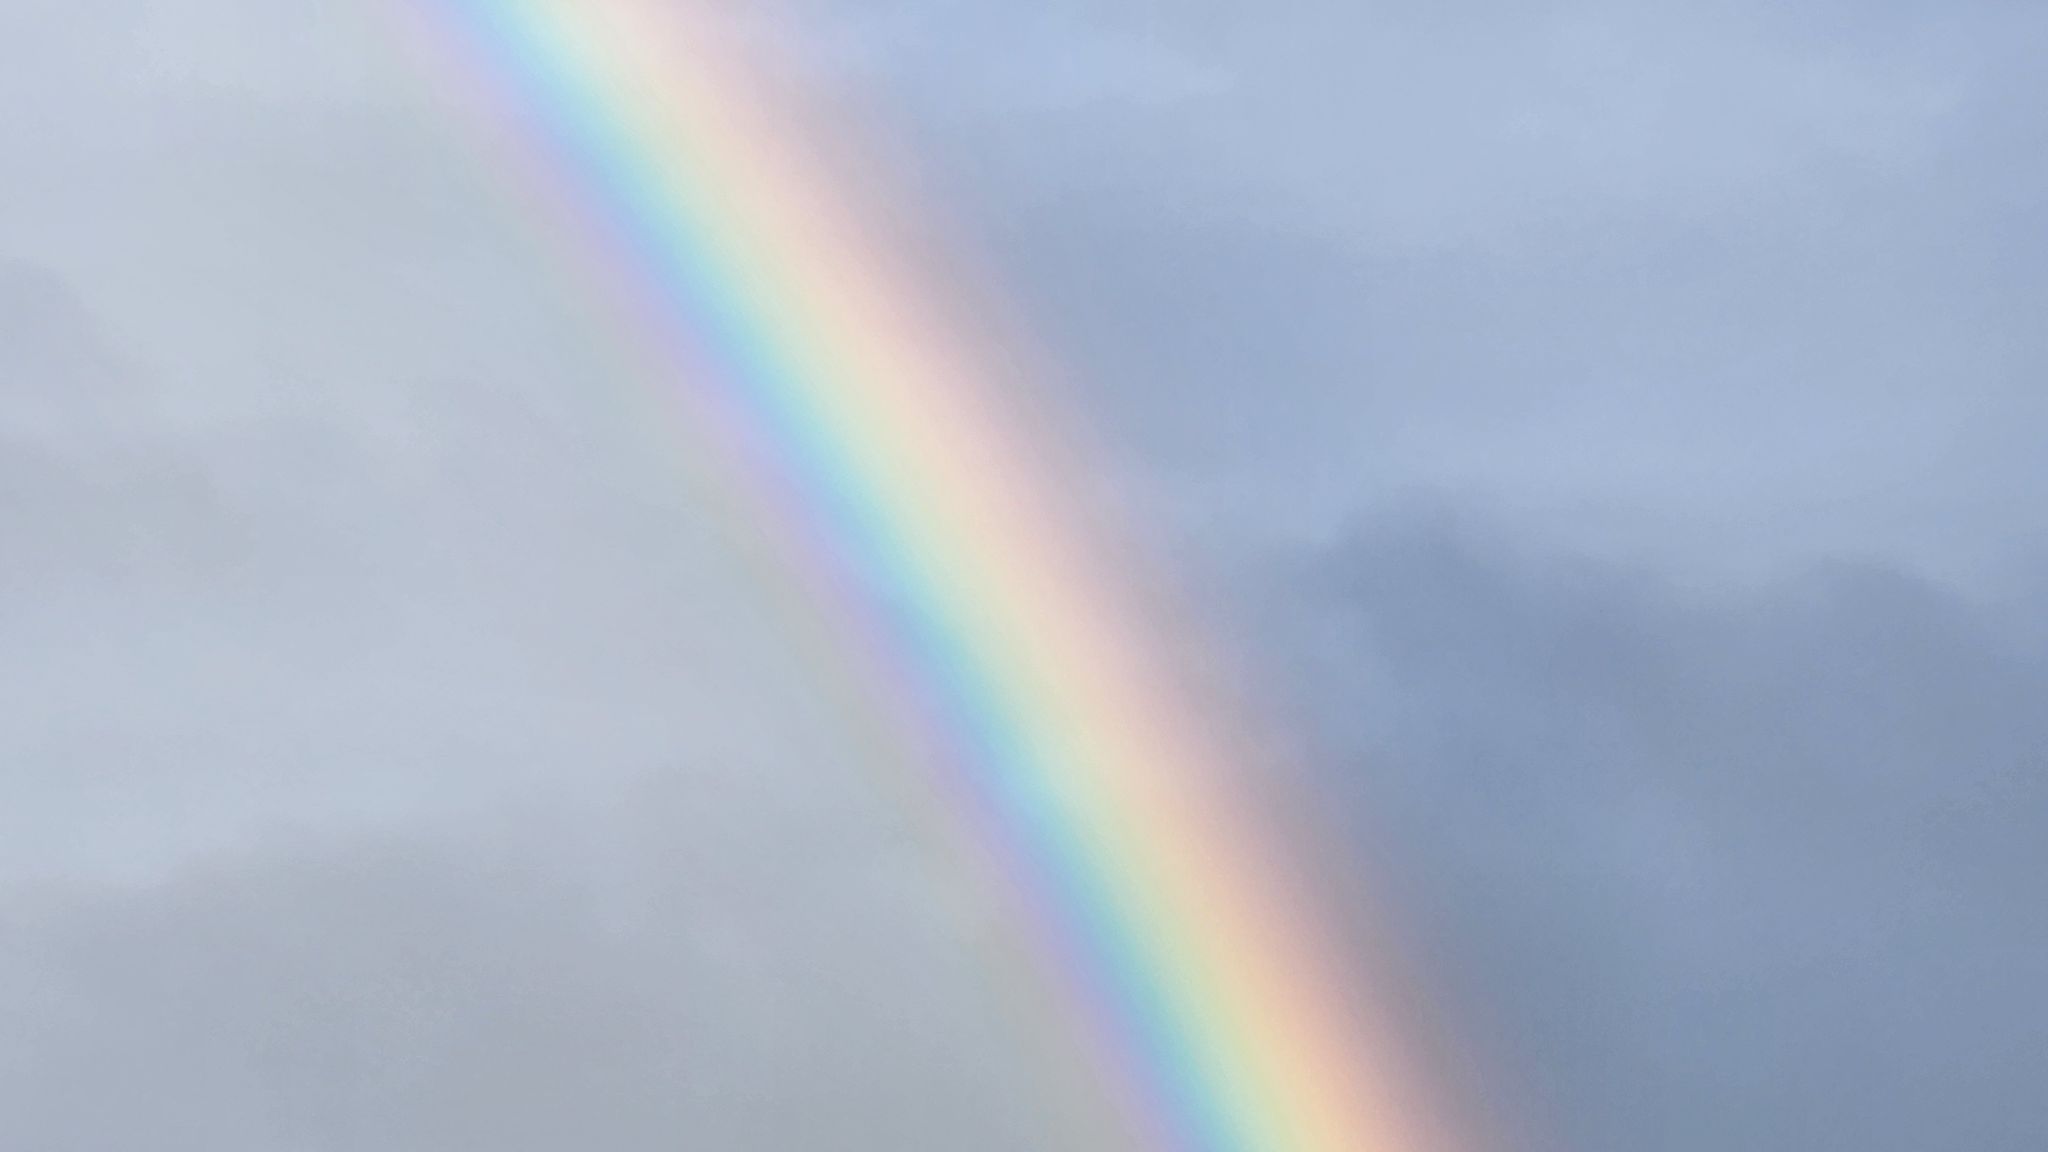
{"x": 1758, "y": 867}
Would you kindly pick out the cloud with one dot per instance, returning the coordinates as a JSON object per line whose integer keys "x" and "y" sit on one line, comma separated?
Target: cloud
{"x": 1756, "y": 867}
{"x": 402, "y": 994}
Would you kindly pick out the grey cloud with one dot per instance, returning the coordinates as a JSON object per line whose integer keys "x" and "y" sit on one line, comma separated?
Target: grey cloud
{"x": 477, "y": 990}
{"x": 1741, "y": 392}
{"x": 1754, "y": 867}
{"x": 1440, "y": 124}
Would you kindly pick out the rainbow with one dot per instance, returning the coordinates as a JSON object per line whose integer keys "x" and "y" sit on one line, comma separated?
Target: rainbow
{"x": 884, "y": 435}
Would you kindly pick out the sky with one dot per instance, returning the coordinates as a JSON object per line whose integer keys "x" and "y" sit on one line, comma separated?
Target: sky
{"x": 1609, "y": 436}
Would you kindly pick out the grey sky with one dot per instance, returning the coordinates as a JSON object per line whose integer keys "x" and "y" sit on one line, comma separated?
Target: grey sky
{"x": 1613, "y": 433}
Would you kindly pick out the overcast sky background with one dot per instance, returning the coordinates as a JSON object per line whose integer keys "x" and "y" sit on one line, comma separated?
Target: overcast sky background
{"x": 1613, "y": 435}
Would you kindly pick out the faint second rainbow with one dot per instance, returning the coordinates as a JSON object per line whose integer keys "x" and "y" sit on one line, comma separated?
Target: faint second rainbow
{"x": 888, "y": 440}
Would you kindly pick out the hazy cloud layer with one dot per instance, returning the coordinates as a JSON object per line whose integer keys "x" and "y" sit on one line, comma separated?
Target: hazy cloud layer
{"x": 1755, "y": 867}
{"x": 1617, "y": 431}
